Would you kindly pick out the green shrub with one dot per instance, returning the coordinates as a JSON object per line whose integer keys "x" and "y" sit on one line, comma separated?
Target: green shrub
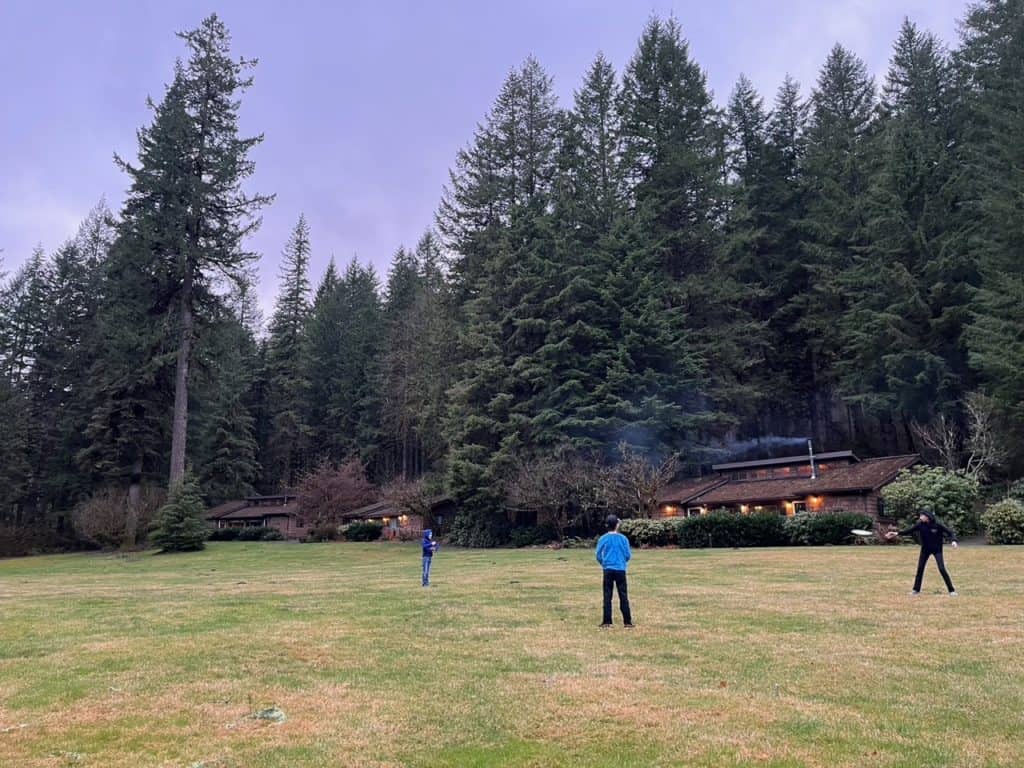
{"x": 532, "y": 535}
{"x": 651, "y": 533}
{"x": 825, "y": 528}
{"x": 1004, "y": 522}
{"x": 224, "y": 534}
{"x": 474, "y": 530}
{"x": 180, "y": 525}
{"x": 577, "y": 542}
{"x": 950, "y": 495}
{"x": 362, "y": 530}
{"x": 325, "y": 533}
{"x": 259, "y": 534}
{"x": 729, "y": 529}
{"x": 1016, "y": 490}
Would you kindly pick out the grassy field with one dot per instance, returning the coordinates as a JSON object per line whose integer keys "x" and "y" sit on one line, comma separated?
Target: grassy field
{"x": 798, "y": 657}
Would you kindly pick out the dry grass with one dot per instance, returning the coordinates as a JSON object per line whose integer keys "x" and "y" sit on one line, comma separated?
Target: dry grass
{"x": 801, "y": 657}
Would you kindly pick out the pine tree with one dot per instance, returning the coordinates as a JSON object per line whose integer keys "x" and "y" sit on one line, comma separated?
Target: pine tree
{"x": 186, "y": 208}
{"x": 837, "y": 173}
{"x": 682, "y": 330}
{"x": 990, "y": 63}
{"x": 908, "y": 288}
{"x": 180, "y": 525}
{"x": 284, "y": 457}
{"x": 322, "y": 362}
{"x": 493, "y": 219}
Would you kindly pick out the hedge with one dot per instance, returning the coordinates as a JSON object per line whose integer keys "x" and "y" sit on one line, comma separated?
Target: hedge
{"x": 729, "y": 529}
{"x": 1004, "y": 522}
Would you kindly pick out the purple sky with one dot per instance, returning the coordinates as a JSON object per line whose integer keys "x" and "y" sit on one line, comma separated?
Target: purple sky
{"x": 364, "y": 104}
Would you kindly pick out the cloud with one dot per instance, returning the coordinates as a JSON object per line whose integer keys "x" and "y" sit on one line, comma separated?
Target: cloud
{"x": 31, "y": 215}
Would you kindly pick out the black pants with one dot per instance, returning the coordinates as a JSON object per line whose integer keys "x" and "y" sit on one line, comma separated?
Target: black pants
{"x": 618, "y": 579}
{"x": 922, "y": 560}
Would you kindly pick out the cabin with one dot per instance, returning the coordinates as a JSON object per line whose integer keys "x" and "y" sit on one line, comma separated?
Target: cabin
{"x": 278, "y": 511}
{"x": 397, "y": 522}
{"x": 790, "y": 485}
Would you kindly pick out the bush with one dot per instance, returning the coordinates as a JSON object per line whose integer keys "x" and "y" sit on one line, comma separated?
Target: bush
{"x": 180, "y": 524}
{"x": 1004, "y": 522}
{"x": 21, "y": 540}
{"x": 224, "y": 534}
{"x": 470, "y": 530}
{"x": 576, "y": 542}
{"x": 826, "y": 528}
{"x": 1016, "y": 490}
{"x": 728, "y": 529}
{"x": 651, "y": 533}
{"x": 102, "y": 520}
{"x": 362, "y": 530}
{"x": 325, "y": 533}
{"x": 259, "y": 533}
{"x": 950, "y": 495}
{"x": 529, "y": 536}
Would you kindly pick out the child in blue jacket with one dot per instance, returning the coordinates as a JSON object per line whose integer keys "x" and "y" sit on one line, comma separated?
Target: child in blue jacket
{"x": 429, "y": 548}
{"x": 613, "y": 554}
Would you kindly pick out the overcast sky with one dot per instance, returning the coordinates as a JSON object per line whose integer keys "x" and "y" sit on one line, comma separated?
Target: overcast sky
{"x": 363, "y": 104}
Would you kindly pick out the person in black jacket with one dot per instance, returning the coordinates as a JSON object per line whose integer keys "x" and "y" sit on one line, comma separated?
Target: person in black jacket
{"x": 931, "y": 534}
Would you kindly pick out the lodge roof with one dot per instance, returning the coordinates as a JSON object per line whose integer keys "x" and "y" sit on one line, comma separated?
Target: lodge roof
{"x": 783, "y": 460}
{"x": 235, "y": 510}
{"x": 864, "y": 476}
{"x": 681, "y": 491}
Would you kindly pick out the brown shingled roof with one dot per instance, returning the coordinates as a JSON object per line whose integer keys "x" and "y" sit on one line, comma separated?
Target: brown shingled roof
{"x": 224, "y": 509}
{"x": 253, "y": 513}
{"x": 867, "y": 475}
{"x": 682, "y": 491}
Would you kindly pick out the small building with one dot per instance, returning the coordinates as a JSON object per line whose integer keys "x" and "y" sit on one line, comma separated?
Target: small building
{"x": 279, "y": 512}
{"x": 790, "y": 485}
{"x": 397, "y": 522}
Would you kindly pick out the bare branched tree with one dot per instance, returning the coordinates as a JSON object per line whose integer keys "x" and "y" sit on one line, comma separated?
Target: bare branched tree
{"x": 563, "y": 491}
{"x": 940, "y": 440}
{"x": 632, "y": 487}
{"x": 975, "y": 450}
{"x": 984, "y": 448}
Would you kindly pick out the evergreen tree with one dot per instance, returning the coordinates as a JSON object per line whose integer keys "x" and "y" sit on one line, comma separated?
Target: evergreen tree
{"x": 180, "y": 525}
{"x": 991, "y": 69}
{"x": 284, "y": 457}
{"x": 322, "y": 362}
{"x": 683, "y": 330}
{"x": 493, "y": 219}
{"x": 186, "y": 208}
{"x": 908, "y": 287}
{"x": 837, "y": 173}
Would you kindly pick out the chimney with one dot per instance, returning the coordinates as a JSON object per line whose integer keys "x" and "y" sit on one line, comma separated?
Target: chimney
{"x": 810, "y": 451}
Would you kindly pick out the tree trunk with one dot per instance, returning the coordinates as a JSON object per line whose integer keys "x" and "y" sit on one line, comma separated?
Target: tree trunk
{"x": 180, "y": 424}
{"x": 131, "y": 525}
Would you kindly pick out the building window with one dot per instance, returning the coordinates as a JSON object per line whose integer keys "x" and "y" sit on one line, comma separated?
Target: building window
{"x": 694, "y": 511}
{"x": 799, "y": 507}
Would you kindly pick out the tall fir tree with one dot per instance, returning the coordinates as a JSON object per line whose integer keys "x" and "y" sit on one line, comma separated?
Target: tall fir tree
{"x": 186, "y": 208}
{"x": 838, "y": 174}
{"x": 990, "y": 64}
{"x": 908, "y": 286}
{"x": 284, "y": 455}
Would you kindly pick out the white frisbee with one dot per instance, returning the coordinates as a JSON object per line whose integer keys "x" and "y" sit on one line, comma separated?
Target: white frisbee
{"x": 862, "y": 532}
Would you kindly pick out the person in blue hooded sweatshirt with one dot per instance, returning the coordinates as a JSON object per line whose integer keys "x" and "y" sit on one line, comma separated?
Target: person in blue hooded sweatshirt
{"x": 429, "y": 548}
{"x": 613, "y": 554}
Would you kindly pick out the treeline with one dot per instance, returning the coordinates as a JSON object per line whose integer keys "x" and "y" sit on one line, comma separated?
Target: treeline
{"x": 638, "y": 267}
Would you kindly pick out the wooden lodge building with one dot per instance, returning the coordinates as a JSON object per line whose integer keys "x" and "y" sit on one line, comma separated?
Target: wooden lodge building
{"x": 280, "y": 512}
{"x": 791, "y": 485}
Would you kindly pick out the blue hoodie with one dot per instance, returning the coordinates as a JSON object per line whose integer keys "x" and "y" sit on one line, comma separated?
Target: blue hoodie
{"x": 429, "y": 545}
{"x": 613, "y": 551}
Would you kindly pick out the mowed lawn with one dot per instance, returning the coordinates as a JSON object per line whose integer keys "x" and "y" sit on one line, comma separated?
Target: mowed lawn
{"x": 787, "y": 657}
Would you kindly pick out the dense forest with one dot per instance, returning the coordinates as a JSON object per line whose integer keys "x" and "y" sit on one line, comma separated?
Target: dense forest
{"x": 644, "y": 269}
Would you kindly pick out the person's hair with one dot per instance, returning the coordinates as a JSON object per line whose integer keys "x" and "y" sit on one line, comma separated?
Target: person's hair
{"x": 612, "y": 522}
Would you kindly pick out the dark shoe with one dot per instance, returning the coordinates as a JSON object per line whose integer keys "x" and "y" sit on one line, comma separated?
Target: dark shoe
{"x": 605, "y": 626}
{"x": 630, "y": 626}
